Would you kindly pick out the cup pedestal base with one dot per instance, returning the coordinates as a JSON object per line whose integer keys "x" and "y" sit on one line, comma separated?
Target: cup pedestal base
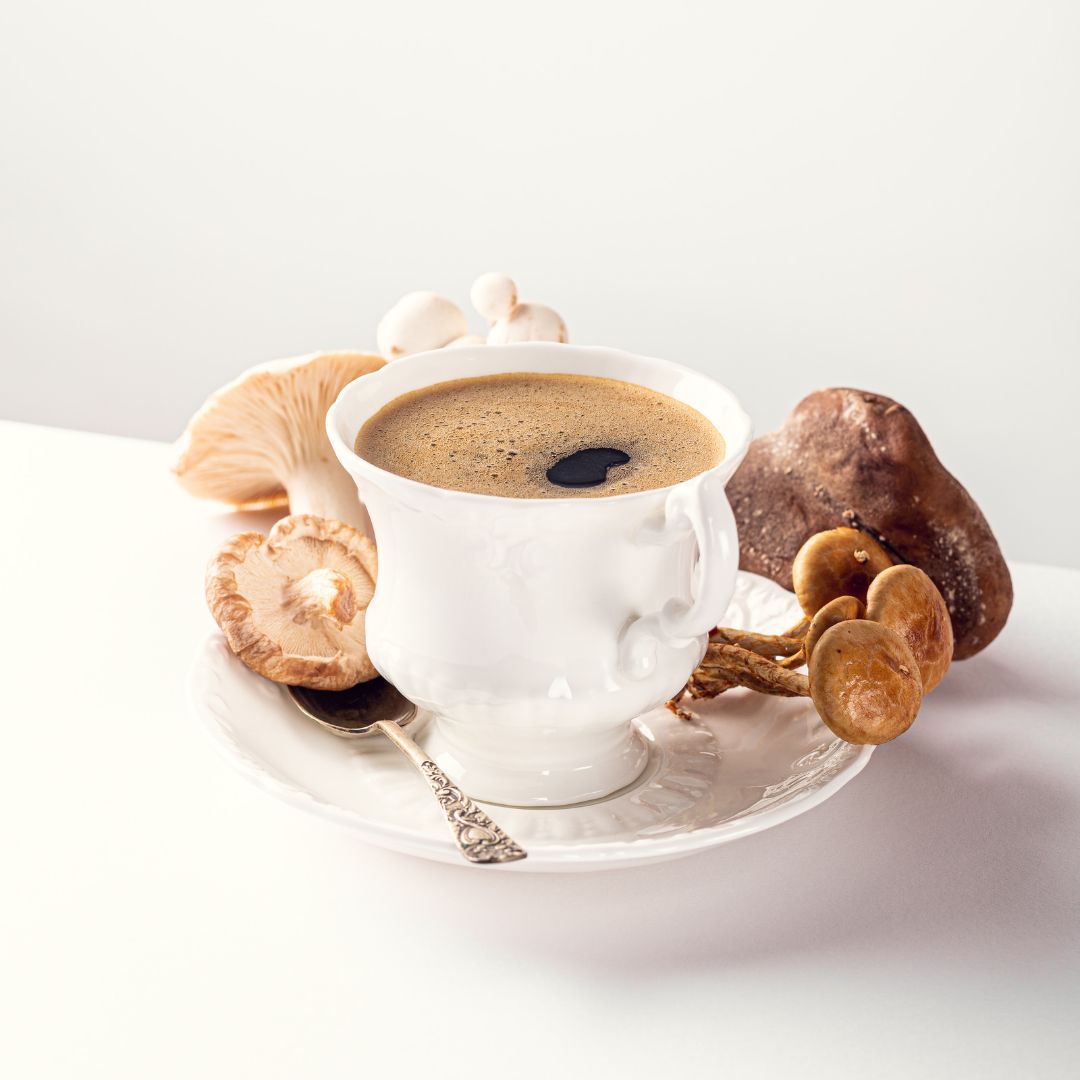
{"x": 497, "y": 766}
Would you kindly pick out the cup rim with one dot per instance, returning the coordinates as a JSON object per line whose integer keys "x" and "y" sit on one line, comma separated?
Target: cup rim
{"x": 346, "y": 453}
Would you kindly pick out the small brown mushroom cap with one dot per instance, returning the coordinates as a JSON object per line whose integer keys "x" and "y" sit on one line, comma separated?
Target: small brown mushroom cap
{"x": 835, "y": 611}
{"x": 836, "y": 562}
{"x": 904, "y": 599}
{"x": 261, "y": 440}
{"x": 865, "y": 682}
{"x": 292, "y": 604}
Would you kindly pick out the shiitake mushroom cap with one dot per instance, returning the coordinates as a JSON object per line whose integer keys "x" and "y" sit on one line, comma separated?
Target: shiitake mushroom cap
{"x": 851, "y": 457}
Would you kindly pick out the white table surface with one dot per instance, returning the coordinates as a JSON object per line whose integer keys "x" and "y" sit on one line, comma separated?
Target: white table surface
{"x": 163, "y": 918}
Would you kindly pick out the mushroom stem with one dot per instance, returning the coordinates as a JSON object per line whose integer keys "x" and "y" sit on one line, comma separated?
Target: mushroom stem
{"x": 322, "y": 594}
{"x": 746, "y": 668}
{"x": 322, "y": 487}
{"x": 770, "y": 645}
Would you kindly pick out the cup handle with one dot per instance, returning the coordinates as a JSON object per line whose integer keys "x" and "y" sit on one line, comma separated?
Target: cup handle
{"x": 706, "y": 512}
{"x": 713, "y": 525}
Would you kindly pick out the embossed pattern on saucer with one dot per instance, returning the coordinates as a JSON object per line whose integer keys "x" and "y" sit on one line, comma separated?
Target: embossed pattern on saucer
{"x": 747, "y": 763}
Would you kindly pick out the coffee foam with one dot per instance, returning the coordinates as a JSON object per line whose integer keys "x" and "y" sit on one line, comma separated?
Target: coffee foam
{"x": 499, "y": 435}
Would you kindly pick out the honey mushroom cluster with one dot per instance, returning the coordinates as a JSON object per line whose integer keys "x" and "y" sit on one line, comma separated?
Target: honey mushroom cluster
{"x": 876, "y": 637}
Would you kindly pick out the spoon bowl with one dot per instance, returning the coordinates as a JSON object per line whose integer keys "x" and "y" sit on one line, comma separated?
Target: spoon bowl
{"x": 353, "y": 713}
{"x": 377, "y": 707}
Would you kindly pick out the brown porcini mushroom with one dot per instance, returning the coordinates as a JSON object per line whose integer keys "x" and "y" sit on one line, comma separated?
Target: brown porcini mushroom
{"x": 261, "y": 441}
{"x": 849, "y": 457}
{"x": 292, "y": 604}
{"x": 836, "y": 562}
{"x": 904, "y": 599}
{"x": 835, "y": 611}
{"x": 864, "y": 682}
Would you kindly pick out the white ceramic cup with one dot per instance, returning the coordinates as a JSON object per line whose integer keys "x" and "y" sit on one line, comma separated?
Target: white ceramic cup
{"x": 535, "y": 630}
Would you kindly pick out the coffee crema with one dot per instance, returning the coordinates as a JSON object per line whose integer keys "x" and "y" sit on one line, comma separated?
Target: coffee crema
{"x": 530, "y": 435}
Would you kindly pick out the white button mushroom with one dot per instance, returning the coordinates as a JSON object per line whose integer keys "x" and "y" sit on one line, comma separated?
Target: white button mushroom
{"x": 468, "y": 339}
{"x": 420, "y": 321}
{"x": 494, "y": 296}
{"x": 528, "y": 322}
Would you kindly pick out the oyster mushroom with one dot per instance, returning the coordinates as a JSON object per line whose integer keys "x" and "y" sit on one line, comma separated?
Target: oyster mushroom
{"x": 261, "y": 440}
{"x": 904, "y": 599}
{"x": 864, "y": 682}
{"x": 420, "y": 321}
{"x": 836, "y": 562}
{"x": 292, "y": 604}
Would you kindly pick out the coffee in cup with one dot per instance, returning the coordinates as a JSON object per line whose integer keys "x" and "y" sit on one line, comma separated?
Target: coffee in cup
{"x": 534, "y": 435}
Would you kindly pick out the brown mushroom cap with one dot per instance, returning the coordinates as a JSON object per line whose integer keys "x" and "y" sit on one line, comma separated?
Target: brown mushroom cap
{"x": 292, "y": 604}
{"x": 836, "y": 562}
{"x": 864, "y": 682}
{"x": 905, "y": 600}
{"x": 261, "y": 440}
{"x": 851, "y": 457}
{"x": 835, "y": 611}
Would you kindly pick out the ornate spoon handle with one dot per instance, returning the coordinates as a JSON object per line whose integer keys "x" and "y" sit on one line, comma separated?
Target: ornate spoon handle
{"x": 476, "y": 835}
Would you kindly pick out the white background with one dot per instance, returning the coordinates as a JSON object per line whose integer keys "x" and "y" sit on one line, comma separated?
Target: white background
{"x": 163, "y": 919}
{"x": 787, "y": 195}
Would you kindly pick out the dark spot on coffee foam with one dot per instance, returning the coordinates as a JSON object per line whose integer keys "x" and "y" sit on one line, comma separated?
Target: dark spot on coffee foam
{"x": 586, "y": 468}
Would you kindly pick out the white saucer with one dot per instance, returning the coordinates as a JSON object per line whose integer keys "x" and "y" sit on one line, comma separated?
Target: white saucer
{"x": 749, "y": 762}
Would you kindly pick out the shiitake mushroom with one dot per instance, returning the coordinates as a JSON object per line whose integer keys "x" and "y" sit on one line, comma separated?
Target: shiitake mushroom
{"x": 847, "y": 457}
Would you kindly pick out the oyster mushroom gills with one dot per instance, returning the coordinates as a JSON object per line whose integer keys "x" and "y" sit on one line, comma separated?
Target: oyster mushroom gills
{"x": 292, "y": 604}
{"x": 847, "y": 457}
{"x": 261, "y": 441}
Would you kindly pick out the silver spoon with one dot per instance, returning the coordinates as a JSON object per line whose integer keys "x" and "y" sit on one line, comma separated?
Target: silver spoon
{"x": 375, "y": 707}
